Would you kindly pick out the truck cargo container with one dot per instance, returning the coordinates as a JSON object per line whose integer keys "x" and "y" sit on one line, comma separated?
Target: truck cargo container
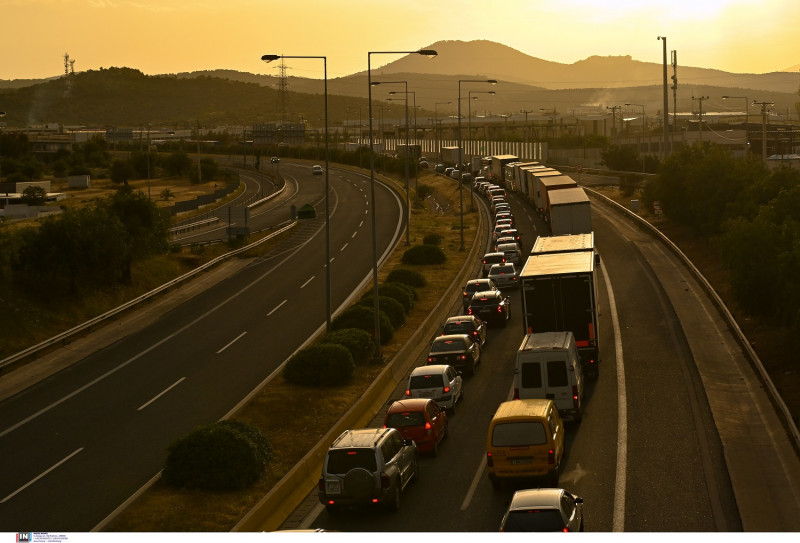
{"x": 564, "y": 244}
{"x": 527, "y": 180}
{"x": 558, "y": 292}
{"x": 496, "y": 171}
{"x": 513, "y": 172}
{"x": 450, "y": 155}
{"x": 534, "y": 189}
{"x": 547, "y": 185}
{"x": 570, "y": 212}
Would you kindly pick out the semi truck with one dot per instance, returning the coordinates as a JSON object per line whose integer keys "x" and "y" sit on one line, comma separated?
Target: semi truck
{"x": 534, "y": 175}
{"x": 548, "y": 185}
{"x": 564, "y": 243}
{"x": 514, "y": 175}
{"x": 450, "y": 155}
{"x": 570, "y": 212}
{"x": 496, "y": 171}
{"x": 558, "y": 293}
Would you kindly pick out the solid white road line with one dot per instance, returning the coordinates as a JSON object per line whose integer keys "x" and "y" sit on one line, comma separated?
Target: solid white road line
{"x": 307, "y": 282}
{"x": 26, "y": 485}
{"x": 173, "y": 385}
{"x": 277, "y": 308}
{"x": 239, "y": 337}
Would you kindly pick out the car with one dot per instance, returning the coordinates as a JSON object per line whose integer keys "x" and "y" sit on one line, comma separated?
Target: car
{"x": 457, "y": 350}
{"x": 419, "y": 419}
{"x": 511, "y": 232}
{"x": 465, "y": 324}
{"x": 367, "y": 466}
{"x": 543, "y": 510}
{"x": 439, "y": 382}
{"x": 505, "y": 276}
{"x": 490, "y": 306}
{"x": 508, "y": 223}
{"x": 504, "y": 215}
{"x": 424, "y": 164}
{"x": 275, "y": 160}
{"x": 449, "y": 171}
{"x": 317, "y": 169}
{"x": 506, "y": 239}
{"x": 473, "y": 286}
{"x": 489, "y": 259}
{"x": 466, "y": 177}
{"x": 455, "y": 174}
{"x": 498, "y": 228}
{"x": 439, "y": 168}
{"x": 511, "y": 250}
{"x": 502, "y": 206}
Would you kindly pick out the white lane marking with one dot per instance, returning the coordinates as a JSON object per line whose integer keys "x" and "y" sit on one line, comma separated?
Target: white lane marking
{"x": 343, "y": 247}
{"x": 307, "y": 282}
{"x": 29, "y": 483}
{"x": 361, "y": 223}
{"x": 240, "y": 336}
{"x": 173, "y": 385}
{"x": 618, "y": 524}
{"x": 277, "y": 308}
{"x": 354, "y": 234}
{"x": 472, "y": 487}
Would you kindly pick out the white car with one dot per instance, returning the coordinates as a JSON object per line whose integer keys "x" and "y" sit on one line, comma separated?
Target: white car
{"x": 317, "y": 169}
{"x": 543, "y": 510}
{"x": 504, "y": 276}
{"x": 439, "y": 382}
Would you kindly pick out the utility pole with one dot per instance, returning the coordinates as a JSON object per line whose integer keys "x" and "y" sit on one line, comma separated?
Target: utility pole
{"x": 764, "y": 112}
{"x": 674, "y": 96}
{"x": 700, "y": 101}
{"x": 665, "y": 151}
{"x": 613, "y": 120}
{"x": 526, "y": 111}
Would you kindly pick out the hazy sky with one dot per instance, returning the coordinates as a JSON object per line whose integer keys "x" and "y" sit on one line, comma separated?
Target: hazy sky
{"x": 169, "y": 36}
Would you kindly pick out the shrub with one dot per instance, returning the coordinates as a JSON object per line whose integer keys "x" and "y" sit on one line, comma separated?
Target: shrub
{"x": 407, "y": 277}
{"x": 432, "y": 239}
{"x": 362, "y": 317}
{"x": 421, "y": 255}
{"x": 423, "y": 191}
{"x": 359, "y": 342}
{"x": 227, "y": 455}
{"x": 393, "y": 309}
{"x": 323, "y": 364}
{"x": 402, "y": 293}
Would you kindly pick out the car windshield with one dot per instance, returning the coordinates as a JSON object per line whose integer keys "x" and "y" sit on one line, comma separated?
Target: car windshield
{"x": 426, "y": 381}
{"x": 475, "y": 287}
{"x": 504, "y": 270}
{"x": 401, "y": 420}
{"x": 458, "y": 328}
{"x": 491, "y": 300}
{"x": 447, "y": 345}
{"x": 518, "y": 434}
{"x": 534, "y": 520}
{"x": 343, "y": 460}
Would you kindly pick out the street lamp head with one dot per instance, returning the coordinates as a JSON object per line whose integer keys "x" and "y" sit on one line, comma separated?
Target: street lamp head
{"x": 270, "y": 58}
{"x": 430, "y": 53}
{"x": 492, "y": 81}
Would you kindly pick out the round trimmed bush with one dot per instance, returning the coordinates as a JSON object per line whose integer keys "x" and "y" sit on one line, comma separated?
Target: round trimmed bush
{"x": 359, "y": 342}
{"x": 359, "y": 316}
{"x": 393, "y": 309}
{"x": 227, "y": 455}
{"x": 323, "y": 364}
{"x": 420, "y": 255}
{"x": 411, "y": 278}
{"x": 400, "y": 292}
{"x": 432, "y": 239}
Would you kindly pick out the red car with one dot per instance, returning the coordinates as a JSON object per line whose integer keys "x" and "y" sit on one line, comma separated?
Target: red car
{"x": 419, "y": 419}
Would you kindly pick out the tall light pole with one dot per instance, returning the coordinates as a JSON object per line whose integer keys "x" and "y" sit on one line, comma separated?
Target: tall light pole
{"x": 460, "y": 158}
{"x": 270, "y": 58}
{"x": 469, "y": 111}
{"x": 430, "y": 53}
{"x": 764, "y": 112}
{"x": 438, "y": 129}
{"x": 746, "y": 122}
{"x": 408, "y": 152}
{"x": 700, "y": 101}
{"x": 613, "y": 121}
{"x": 666, "y": 101}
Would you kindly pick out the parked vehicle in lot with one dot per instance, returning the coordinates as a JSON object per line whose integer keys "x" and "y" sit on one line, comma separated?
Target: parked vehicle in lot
{"x": 548, "y": 366}
{"x": 543, "y": 510}
{"x": 317, "y": 169}
{"x": 367, "y": 466}
{"x": 466, "y": 324}
{"x": 473, "y": 286}
{"x": 525, "y": 440}
{"x": 457, "y": 350}
{"x": 491, "y": 307}
{"x": 490, "y": 259}
{"x": 419, "y": 419}
{"x": 439, "y": 382}
{"x": 504, "y": 275}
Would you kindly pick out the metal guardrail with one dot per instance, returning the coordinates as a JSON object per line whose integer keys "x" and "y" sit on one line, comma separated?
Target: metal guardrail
{"x": 65, "y": 336}
{"x": 192, "y": 226}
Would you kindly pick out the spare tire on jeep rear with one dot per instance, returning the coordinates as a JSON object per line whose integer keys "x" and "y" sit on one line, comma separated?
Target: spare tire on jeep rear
{"x": 358, "y": 483}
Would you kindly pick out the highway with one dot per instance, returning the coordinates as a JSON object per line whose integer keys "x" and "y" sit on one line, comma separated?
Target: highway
{"x": 79, "y": 443}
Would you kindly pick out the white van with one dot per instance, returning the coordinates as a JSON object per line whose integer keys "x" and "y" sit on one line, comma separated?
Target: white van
{"x": 548, "y": 367}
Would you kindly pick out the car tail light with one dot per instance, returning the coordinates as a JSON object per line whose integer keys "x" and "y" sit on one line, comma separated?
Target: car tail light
{"x": 574, "y": 396}
{"x": 428, "y": 427}
{"x": 408, "y": 392}
{"x": 462, "y": 357}
{"x": 446, "y": 390}
{"x": 489, "y": 459}
{"x": 565, "y": 529}
{"x": 386, "y": 482}
{"x": 516, "y": 394}
{"x": 551, "y": 456}
{"x": 499, "y": 308}
{"x": 469, "y": 309}
{"x": 431, "y": 359}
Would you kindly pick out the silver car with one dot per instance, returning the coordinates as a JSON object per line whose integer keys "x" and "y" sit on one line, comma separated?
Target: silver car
{"x": 504, "y": 276}
{"x": 543, "y": 510}
{"x": 439, "y": 382}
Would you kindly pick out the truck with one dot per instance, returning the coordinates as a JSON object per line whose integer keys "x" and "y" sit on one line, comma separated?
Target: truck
{"x": 496, "y": 172}
{"x": 559, "y": 294}
{"x": 527, "y": 180}
{"x": 564, "y": 243}
{"x": 414, "y": 149}
{"x": 450, "y": 155}
{"x": 514, "y": 175}
{"x": 570, "y": 212}
{"x": 534, "y": 191}
{"x": 547, "y": 185}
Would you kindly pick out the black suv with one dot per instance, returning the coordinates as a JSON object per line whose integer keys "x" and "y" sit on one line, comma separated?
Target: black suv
{"x": 490, "y": 306}
{"x": 365, "y": 466}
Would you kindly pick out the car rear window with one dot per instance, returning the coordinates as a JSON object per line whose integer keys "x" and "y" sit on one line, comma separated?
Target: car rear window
{"x": 494, "y": 259}
{"x": 530, "y": 375}
{"x": 458, "y": 328}
{"x": 557, "y": 373}
{"x": 343, "y": 460}
{"x": 401, "y": 420}
{"x": 426, "y": 381}
{"x": 534, "y": 520}
{"x": 488, "y": 300}
{"x": 518, "y": 434}
{"x": 448, "y": 345}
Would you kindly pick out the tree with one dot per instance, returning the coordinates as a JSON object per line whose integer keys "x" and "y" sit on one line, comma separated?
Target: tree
{"x": 34, "y": 195}
{"x": 623, "y": 159}
{"x": 166, "y": 194}
{"x": 177, "y": 164}
{"x": 121, "y": 171}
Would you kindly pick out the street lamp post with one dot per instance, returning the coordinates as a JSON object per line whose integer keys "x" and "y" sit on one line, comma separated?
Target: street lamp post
{"x": 746, "y": 122}
{"x": 460, "y": 159}
{"x": 644, "y": 127}
{"x": 469, "y": 113}
{"x": 438, "y": 129}
{"x": 376, "y": 308}
{"x": 764, "y": 112}
{"x": 270, "y": 58}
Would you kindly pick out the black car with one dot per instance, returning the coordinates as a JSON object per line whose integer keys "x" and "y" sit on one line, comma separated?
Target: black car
{"x": 490, "y": 306}
{"x": 457, "y": 350}
{"x": 465, "y": 324}
{"x": 473, "y": 286}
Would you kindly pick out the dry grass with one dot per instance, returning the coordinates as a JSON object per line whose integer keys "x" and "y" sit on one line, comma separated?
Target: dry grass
{"x": 165, "y": 509}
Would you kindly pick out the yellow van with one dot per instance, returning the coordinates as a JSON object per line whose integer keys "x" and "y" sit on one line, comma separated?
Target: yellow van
{"x": 525, "y": 439}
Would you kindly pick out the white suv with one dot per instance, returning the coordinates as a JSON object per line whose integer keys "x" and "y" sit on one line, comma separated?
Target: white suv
{"x": 367, "y": 466}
